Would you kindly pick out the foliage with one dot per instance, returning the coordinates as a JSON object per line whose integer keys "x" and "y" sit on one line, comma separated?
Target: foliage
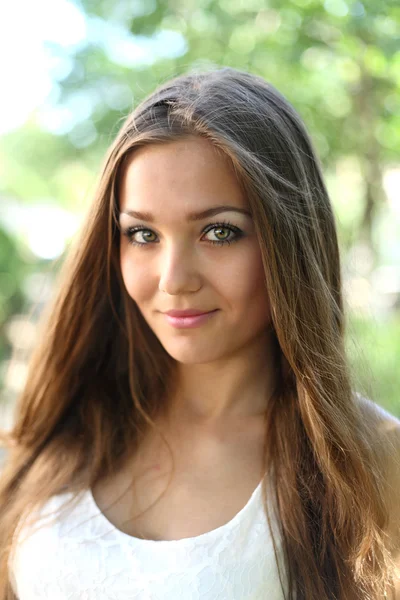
{"x": 374, "y": 349}
{"x": 12, "y": 271}
{"x": 337, "y": 61}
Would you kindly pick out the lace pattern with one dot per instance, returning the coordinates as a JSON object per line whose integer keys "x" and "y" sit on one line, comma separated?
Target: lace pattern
{"x": 79, "y": 554}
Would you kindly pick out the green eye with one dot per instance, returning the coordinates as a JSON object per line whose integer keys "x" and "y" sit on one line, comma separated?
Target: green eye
{"x": 222, "y": 233}
{"x": 226, "y": 233}
{"x": 146, "y": 235}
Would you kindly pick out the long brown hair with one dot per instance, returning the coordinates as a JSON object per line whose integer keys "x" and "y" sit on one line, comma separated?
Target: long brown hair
{"x": 99, "y": 376}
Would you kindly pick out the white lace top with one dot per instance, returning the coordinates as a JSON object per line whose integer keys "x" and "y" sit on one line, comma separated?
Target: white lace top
{"x": 80, "y": 555}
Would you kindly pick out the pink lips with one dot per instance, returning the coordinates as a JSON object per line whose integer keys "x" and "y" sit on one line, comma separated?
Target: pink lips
{"x": 185, "y": 319}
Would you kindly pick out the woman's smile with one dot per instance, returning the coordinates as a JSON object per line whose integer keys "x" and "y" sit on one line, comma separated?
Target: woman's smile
{"x": 189, "y": 322}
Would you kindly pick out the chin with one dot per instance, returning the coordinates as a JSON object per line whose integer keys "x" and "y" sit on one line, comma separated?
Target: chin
{"x": 192, "y": 358}
{"x": 194, "y": 354}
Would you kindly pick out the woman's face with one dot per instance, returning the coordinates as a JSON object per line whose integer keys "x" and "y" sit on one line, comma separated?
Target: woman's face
{"x": 174, "y": 258}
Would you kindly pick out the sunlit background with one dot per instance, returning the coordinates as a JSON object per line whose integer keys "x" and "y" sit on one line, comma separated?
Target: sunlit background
{"x": 71, "y": 71}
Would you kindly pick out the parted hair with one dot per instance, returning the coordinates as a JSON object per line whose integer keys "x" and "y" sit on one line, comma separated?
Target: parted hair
{"x": 99, "y": 376}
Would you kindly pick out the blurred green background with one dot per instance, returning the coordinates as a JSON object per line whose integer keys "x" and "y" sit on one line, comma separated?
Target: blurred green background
{"x": 71, "y": 71}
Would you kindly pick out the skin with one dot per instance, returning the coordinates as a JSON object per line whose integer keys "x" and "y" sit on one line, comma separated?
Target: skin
{"x": 224, "y": 367}
{"x": 214, "y": 421}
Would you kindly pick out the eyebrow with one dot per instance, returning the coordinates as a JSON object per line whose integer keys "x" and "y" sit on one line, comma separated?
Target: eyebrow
{"x": 192, "y": 216}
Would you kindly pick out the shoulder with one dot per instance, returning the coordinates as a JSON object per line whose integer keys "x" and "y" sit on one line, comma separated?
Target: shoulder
{"x": 51, "y": 516}
{"x": 387, "y": 428}
{"x": 385, "y": 421}
{"x": 392, "y": 438}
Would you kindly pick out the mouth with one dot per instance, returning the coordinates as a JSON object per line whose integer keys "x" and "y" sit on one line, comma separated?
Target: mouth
{"x": 189, "y": 321}
{"x": 191, "y": 312}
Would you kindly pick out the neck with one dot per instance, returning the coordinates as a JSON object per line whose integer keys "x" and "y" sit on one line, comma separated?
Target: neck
{"x": 236, "y": 387}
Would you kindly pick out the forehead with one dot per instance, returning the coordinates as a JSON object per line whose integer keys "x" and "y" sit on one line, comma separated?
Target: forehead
{"x": 189, "y": 173}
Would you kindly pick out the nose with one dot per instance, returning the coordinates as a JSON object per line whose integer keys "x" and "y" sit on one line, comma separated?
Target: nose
{"x": 179, "y": 271}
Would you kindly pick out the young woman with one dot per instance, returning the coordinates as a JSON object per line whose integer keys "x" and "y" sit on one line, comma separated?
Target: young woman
{"x": 188, "y": 428}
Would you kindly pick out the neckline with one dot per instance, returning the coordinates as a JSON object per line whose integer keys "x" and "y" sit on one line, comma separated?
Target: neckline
{"x": 111, "y": 528}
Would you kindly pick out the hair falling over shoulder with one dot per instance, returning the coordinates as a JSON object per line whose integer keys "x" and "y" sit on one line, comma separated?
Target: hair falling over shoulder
{"x": 99, "y": 375}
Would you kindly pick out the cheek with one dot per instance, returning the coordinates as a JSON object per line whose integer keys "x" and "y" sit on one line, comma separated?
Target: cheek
{"x": 136, "y": 277}
{"x": 244, "y": 278}
{"x": 249, "y": 293}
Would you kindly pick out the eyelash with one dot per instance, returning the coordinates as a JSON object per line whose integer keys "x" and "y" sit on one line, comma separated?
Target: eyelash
{"x": 130, "y": 231}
